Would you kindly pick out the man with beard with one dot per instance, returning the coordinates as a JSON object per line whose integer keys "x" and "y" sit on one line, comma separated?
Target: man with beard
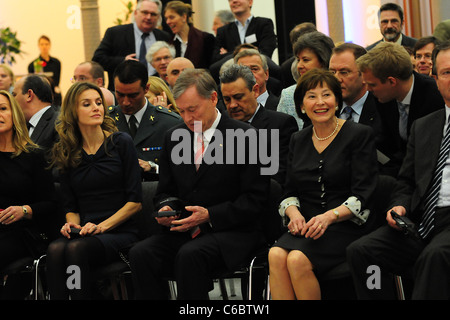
{"x": 391, "y": 25}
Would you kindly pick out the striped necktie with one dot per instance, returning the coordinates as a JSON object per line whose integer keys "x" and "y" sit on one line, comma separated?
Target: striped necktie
{"x": 403, "y": 120}
{"x": 200, "y": 150}
{"x": 348, "y": 112}
{"x": 427, "y": 223}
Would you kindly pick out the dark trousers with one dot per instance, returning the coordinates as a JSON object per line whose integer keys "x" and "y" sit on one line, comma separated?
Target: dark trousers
{"x": 193, "y": 263}
{"x": 395, "y": 253}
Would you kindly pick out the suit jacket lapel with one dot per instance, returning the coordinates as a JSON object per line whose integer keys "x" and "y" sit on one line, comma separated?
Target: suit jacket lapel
{"x": 219, "y": 130}
{"x": 367, "y": 114}
{"x": 121, "y": 122}
{"x": 145, "y": 126}
{"x": 430, "y": 144}
{"x": 42, "y": 124}
{"x": 260, "y": 120}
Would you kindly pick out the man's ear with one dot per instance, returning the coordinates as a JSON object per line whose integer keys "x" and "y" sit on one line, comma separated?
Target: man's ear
{"x": 392, "y": 81}
{"x": 30, "y": 95}
{"x": 255, "y": 90}
{"x": 214, "y": 97}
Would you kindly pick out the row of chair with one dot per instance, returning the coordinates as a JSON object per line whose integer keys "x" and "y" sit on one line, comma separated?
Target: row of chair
{"x": 118, "y": 274}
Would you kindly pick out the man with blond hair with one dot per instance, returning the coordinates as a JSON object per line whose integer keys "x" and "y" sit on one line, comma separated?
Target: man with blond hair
{"x": 404, "y": 96}
{"x": 421, "y": 194}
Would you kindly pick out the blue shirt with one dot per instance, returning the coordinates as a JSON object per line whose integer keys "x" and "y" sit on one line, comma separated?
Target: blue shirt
{"x": 357, "y": 108}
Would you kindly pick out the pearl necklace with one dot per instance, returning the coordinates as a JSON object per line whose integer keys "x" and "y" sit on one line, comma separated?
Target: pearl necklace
{"x": 326, "y": 138}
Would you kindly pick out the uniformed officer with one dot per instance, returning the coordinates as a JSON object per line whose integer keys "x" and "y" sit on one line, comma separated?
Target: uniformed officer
{"x": 146, "y": 123}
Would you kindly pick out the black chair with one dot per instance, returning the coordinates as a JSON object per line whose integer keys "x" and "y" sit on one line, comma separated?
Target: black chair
{"x": 118, "y": 273}
{"x": 28, "y": 265}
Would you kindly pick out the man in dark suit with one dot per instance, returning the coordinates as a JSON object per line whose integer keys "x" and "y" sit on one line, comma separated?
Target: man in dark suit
{"x": 422, "y": 178}
{"x": 240, "y": 91}
{"x": 221, "y": 199}
{"x": 359, "y": 105}
{"x": 258, "y": 31}
{"x": 135, "y": 115}
{"x": 124, "y": 42}
{"x": 391, "y": 18}
{"x": 34, "y": 95}
{"x": 257, "y": 63}
{"x": 404, "y": 97}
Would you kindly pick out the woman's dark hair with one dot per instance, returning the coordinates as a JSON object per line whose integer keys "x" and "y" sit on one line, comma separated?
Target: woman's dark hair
{"x": 319, "y": 43}
{"x": 310, "y": 80}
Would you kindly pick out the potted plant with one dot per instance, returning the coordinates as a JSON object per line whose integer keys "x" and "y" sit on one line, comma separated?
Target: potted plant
{"x": 128, "y": 12}
{"x": 9, "y": 46}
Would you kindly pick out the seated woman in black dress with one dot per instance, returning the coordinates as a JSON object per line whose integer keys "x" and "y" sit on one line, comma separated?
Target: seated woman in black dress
{"x": 100, "y": 186}
{"x": 331, "y": 175}
{"x": 26, "y": 190}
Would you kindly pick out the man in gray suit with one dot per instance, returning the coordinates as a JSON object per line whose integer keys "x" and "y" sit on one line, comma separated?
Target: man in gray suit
{"x": 34, "y": 95}
{"x": 391, "y": 24}
{"x": 134, "y": 114}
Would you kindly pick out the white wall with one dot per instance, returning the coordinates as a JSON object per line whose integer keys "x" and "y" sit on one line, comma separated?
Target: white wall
{"x": 60, "y": 20}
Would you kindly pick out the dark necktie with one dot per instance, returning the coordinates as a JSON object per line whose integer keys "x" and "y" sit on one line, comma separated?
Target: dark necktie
{"x": 403, "y": 121}
{"x": 132, "y": 123}
{"x": 348, "y": 112}
{"x": 427, "y": 223}
{"x": 143, "y": 49}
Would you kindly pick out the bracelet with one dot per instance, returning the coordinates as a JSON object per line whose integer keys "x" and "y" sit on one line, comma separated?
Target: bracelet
{"x": 336, "y": 213}
{"x": 25, "y": 211}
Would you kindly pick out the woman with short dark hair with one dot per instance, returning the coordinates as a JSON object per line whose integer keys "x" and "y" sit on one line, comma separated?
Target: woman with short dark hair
{"x": 331, "y": 175}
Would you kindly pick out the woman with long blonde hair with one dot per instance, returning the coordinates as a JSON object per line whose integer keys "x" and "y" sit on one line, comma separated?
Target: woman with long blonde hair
{"x": 26, "y": 192}
{"x": 100, "y": 186}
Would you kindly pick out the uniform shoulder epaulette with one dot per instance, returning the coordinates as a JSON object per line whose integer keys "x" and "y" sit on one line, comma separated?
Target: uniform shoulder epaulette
{"x": 112, "y": 109}
{"x": 167, "y": 111}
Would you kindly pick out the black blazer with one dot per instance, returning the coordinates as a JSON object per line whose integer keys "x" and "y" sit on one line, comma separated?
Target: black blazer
{"x": 117, "y": 43}
{"x": 370, "y": 116}
{"x": 44, "y": 134}
{"x": 228, "y": 37}
{"x": 272, "y": 102}
{"x": 199, "y": 49}
{"x": 425, "y": 99}
{"x": 420, "y": 161}
{"x": 150, "y": 134}
{"x": 234, "y": 194}
{"x": 406, "y": 41}
{"x": 287, "y": 125}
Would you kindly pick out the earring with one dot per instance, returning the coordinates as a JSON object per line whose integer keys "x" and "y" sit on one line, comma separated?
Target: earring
{"x": 303, "y": 111}
{"x": 337, "y": 108}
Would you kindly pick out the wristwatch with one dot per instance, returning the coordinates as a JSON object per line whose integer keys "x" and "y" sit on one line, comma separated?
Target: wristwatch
{"x": 336, "y": 213}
